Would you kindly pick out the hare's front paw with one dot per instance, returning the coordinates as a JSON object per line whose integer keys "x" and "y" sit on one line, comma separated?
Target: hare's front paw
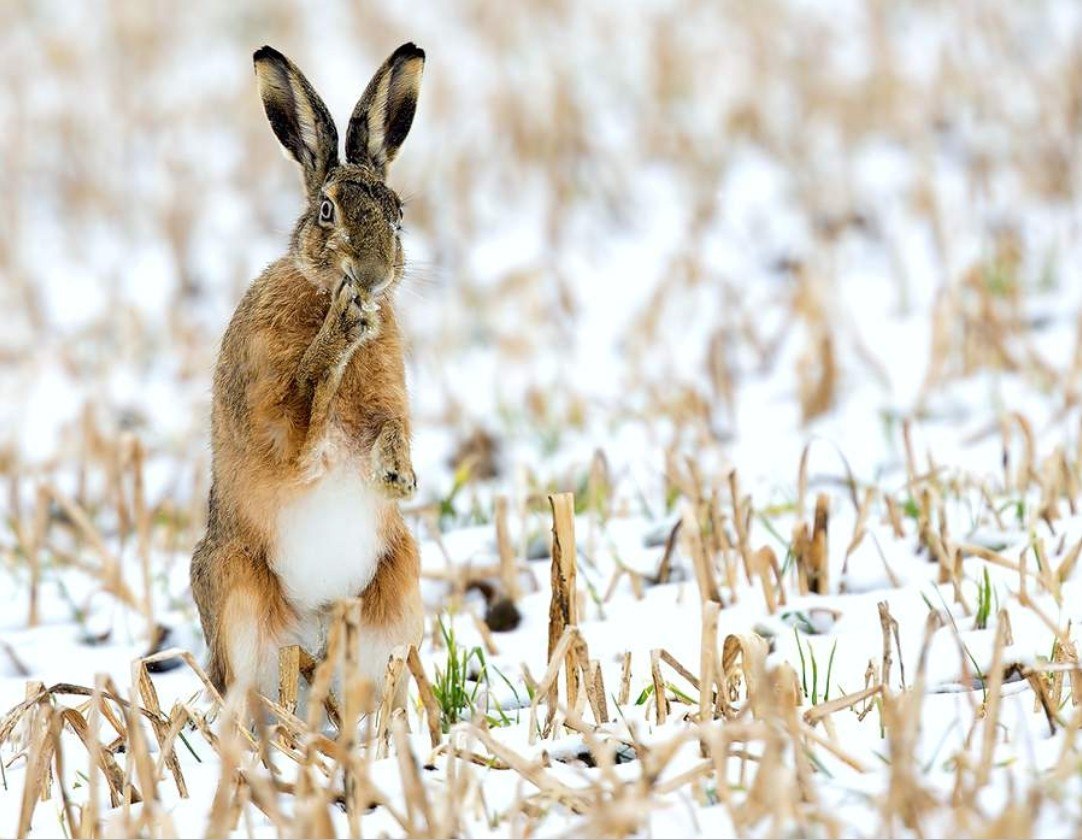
{"x": 398, "y": 483}
{"x": 357, "y": 317}
{"x": 392, "y": 470}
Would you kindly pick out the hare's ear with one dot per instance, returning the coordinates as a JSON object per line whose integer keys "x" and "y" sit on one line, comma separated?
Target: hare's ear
{"x": 383, "y": 116}
{"x": 298, "y": 116}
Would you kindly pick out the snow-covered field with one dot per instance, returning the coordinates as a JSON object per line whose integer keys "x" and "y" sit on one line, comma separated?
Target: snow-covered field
{"x": 788, "y": 294}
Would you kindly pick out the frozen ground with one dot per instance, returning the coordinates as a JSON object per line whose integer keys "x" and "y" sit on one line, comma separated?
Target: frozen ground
{"x": 829, "y": 249}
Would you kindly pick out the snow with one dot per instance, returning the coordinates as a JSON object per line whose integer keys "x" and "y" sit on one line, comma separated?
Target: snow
{"x": 604, "y": 208}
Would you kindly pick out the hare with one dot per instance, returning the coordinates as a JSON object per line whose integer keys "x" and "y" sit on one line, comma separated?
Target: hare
{"x": 310, "y": 421}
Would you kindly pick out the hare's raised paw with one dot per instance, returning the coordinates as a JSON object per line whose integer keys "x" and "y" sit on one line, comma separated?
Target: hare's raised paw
{"x": 399, "y": 484}
{"x": 312, "y": 462}
{"x": 391, "y": 467}
{"x": 356, "y": 315}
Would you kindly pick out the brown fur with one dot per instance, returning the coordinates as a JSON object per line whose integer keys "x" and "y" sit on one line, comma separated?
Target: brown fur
{"x": 310, "y": 373}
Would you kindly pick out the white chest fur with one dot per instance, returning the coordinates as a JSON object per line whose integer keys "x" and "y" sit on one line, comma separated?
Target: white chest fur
{"x": 329, "y": 539}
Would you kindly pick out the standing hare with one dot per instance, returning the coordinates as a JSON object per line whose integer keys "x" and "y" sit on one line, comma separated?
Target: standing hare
{"x": 310, "y": 425}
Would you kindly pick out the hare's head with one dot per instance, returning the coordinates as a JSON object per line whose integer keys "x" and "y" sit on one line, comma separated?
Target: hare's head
{"x": 352, "y": 222}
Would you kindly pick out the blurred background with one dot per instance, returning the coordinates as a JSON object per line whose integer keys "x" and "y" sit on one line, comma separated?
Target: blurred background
{"x": 649, "y": 230}
{"x": 836, "y": 246}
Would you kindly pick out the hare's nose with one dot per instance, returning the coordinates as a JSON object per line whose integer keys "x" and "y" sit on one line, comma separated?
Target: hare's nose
{"x": 367, "y": 275}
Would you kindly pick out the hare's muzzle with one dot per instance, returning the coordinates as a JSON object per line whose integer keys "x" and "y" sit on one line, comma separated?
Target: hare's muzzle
{"x": 369, "y": 277}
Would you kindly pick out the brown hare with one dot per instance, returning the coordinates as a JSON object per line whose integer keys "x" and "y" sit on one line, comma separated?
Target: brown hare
{"x": 310, "y": 424}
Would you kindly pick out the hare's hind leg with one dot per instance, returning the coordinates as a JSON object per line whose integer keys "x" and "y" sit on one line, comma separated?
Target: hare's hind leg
{"x": 246, "y": 618}
{"x": 392, "y": 614}
{"x": 205, "y": 579}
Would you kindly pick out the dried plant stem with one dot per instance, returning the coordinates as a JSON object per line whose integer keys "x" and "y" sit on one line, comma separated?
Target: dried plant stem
{"x": 289, "y": 675}
{"x": 704, "y": 569}
{"x": 709, "y": 666}
{"x": 992, "y": 704}
{"x": 34, "y": 551}
{"x": 625, "y": 679}
{"x": 428, "y": 697}
{"x": 563, "y": 608}
{"x": 661, "y": 700}
{"x": 508, "y": 566}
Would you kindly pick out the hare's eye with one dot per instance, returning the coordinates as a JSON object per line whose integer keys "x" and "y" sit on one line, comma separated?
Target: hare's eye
{"x": 326, "y": 211}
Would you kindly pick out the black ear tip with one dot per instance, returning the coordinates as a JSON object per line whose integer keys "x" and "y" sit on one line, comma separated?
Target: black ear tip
{"x": 266, "y": 53}
{"x": 408, "y": 50}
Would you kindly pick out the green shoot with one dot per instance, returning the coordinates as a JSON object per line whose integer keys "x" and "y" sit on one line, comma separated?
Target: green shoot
{"x": 830, "y": 669}
{"x": 984, "y": 601}
{"x": 803, "y": 663}
{"x": 456, "y": 692}
{"x": 813, "y": 693}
